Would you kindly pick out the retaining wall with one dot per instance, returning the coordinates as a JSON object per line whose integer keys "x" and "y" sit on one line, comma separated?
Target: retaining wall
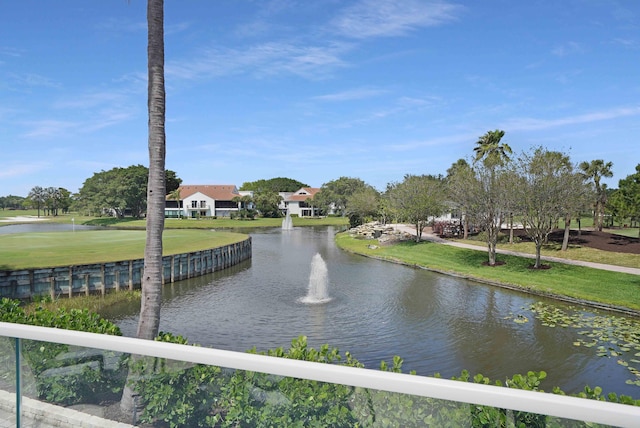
{"x": 102, "y": 277}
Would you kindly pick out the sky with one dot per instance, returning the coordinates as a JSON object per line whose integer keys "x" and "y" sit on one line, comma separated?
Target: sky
{"x": 314, "y": 90}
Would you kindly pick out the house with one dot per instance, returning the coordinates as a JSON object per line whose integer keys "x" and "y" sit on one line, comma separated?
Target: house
{"x": 296, "y": 202}
{"x": 196, "y": 201}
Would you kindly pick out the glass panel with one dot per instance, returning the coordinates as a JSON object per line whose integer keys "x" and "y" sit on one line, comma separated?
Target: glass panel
{"x": 7, "y": 380}
{"x": 177, "y": 393}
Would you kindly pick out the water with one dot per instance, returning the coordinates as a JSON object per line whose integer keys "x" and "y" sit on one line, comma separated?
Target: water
{"x": 318, "y": 282}
{"x": 287, "y": 223}
{"x": 436, "y": 323}
{"x": 43, "y": 227}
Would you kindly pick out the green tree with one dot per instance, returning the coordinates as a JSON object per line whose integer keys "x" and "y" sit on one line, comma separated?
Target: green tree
{"x": 278, "y": 184}
{"x": 172, "y": 181}
{"x": 490, "y": 150}
{"x": 37, "y": 196}
{"x": 417, "y": 200}
{"x": 489, "y": 192}
{"x": 115, "y": 191}
{"x": 363, "y": 205}
{"x": 267, "y": 203}
{"x": 458, "y": 180}
{"x": 542, "y": 193}
{"x": 629, "y": 190}
{"x": 595, "y": 171}
{"x": 335, "y": 194}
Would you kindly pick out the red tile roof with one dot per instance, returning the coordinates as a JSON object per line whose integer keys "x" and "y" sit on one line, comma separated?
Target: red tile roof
{"x": 297, "y": 197}
{"x": 219, "y": 192}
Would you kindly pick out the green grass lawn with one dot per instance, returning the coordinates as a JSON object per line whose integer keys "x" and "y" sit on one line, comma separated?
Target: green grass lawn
{"x": 574, "y": 252}
{"x": 49, "y": 249}
{"x": 609, "y": 288}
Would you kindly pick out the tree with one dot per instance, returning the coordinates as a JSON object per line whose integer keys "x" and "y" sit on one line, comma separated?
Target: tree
{"x": 595, "y": 171}
{"x": 267, "y": 203}
{"x": 489, "y": 190}
{"x": 37, "y": 195}
{"x": 417, "y": 200}
{"x": 458, "y": 181}
{"x": 149, "y": 320}
{"x": 172, "y": 181}
{"x": 363, "y": 204}
{"x": 490, "y": 150}
{"x": 629, "y": 190}
{"x": 278, "y": 184}
{"x": 52, "y": 199}
{"x": 335, "y": 194}
{"x": 542, "y": 193}
{"x": 118, "y": 191}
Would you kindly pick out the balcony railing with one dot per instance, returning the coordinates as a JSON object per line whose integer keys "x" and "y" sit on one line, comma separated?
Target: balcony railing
{"x": 471, "y": 394}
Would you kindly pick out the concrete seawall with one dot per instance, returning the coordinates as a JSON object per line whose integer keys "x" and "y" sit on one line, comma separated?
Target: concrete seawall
{"x": 127, "y": 274}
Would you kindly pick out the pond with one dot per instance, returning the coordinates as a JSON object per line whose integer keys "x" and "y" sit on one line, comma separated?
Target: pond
{"x": 375, "y": 310}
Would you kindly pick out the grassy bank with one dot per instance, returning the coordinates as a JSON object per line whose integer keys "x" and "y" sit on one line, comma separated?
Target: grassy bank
{"x": 49, "y": 249}
{"x": 575, "y": 282}
{"x": 574, "y": 252}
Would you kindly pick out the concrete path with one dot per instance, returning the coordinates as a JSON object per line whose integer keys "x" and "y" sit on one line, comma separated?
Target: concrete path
{"x": 38, "y": 414}
{"x": 434, "y": 238}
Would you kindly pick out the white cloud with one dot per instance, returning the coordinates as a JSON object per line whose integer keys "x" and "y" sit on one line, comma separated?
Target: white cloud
{"x": 271, "y": 58}
{"x": 17, "y": 170}
{"x": 351, "y": 94}
{"x": 531, "y": 124}
{"x": 385, "y": 18}
{"x": 568, "y": 48}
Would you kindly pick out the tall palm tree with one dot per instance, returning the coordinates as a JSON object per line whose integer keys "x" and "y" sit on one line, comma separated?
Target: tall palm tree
{"x": 37, "y": 195}
{"x": 149, "y": 321}
{"x": 489, "y": 149}
{"x": 494, "y": 155}
{"x": 595, "y": 171}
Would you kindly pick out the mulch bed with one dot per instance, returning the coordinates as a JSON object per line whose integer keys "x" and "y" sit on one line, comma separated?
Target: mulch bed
{"x": 592, "y": 239}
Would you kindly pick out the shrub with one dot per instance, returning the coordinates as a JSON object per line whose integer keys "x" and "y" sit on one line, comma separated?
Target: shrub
{"x": 64, "y": 375}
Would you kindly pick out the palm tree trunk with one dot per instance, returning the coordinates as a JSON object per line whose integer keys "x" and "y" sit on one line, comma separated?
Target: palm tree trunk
{"x": 149, "y": 321}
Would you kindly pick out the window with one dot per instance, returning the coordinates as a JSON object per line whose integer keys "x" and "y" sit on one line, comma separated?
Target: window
{"x": 194, "y": 204}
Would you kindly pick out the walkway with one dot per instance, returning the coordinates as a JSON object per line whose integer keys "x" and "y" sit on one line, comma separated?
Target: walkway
{"x": 435, "y": 238}
{"x": 38, "y": 414}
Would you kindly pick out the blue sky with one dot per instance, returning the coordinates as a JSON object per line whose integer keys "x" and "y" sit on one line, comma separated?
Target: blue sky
{"x": 314, "y": 90}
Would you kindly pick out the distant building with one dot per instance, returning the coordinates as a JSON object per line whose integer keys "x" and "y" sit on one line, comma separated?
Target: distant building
{"x": 204, "y": 201}
{"x": 297, "y": 204}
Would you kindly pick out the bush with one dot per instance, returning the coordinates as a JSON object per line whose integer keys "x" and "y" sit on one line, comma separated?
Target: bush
{"x": 63, "y": 375}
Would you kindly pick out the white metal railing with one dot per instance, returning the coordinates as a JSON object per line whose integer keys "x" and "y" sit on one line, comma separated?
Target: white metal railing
{"x": 465, "y": 392}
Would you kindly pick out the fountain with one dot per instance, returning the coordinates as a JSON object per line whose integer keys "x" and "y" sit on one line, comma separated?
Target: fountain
{"x": 318, "y": 282}
{"x": 287, "y": 223}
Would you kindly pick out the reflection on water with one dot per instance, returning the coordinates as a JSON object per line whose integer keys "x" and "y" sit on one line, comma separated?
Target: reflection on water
{"x": 436, "y": 323}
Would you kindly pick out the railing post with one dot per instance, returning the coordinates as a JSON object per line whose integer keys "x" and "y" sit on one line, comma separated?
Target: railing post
{"x": 18, "y": 383}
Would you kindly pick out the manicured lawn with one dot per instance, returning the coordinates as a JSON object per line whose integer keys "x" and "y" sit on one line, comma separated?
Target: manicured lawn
{"x": 572, "y": 253}
{"x": 32, "y": 250}
{"x": 577, "y": 282}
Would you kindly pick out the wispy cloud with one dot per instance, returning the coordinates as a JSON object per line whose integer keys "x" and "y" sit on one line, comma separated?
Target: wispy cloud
{"x": 385, "y": 18}
{"x": 445, "y": 141}
{"x": 9, "y": 51}
{"x": 27, "y": 81}
{"x": 18, "y": 170}
{"x": 531, "y": 124}
{"x": 351, "y": 94}
{"x": 49, "y": 128}
{"x": 569, "y": 48}
{"x": 274, "y": 58}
